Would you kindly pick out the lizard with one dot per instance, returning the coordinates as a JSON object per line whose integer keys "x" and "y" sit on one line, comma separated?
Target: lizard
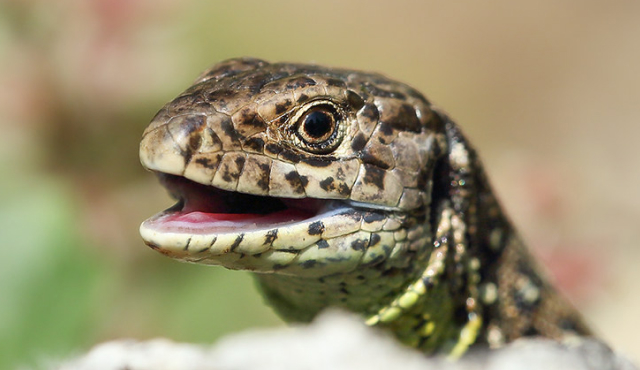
{"x": 341, "y": 188}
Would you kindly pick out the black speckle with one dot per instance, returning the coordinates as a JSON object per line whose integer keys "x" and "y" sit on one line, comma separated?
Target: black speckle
{"x": 153, "y": 246}
{"x": 207, "y": 163}
{"x": 194, "y": 144}
{"x": 290, "y": 156}
{"x": 248, "y": 117}
{"x": 343, "y": 189}
{"x": 373, "y": 217}
{"x": 270, "y": 236}
{"x": 376, "y": 91}
{"x": 359, "y": 244}
{"x": 278, "y": 266}
{"x": 316, "y": 228}
{"x": 319, "y": 161}
{"x": 370, "y": 112}
{"x": 186, "y": 247}
{"x": 304, "y": 181}
{"x": 283, "y": 106}
{"x": 406, "y": 119}
{"x": 302, "y": 98}
{"x": 375, "y": 239}
{"x": 327, "y": 184}
{"x": 322, "y": 244}
{"x": 377, "y": 259}
{"x": 236, "y": 242}
{"x": 355, "y": 100}
{"x": 226, "y": 175}
{"x": 294, "y": 180}
{"x": 368, "y": 157}
{"x": 273, "y": 148}
{"x": 309, "y": 264}
{"x": 375, "y": 176}
{"x": 227, "y": 127}
{"x": 239, "y": 162}
{"x": 358, "y": 142}
{"x": 335, "y": 82}
{"x": 255, "y": 144}
{"x": 263, "y": 181}
{"x": 298, "y": 82}
{"x": 221, "y": 97}
{"x": 385, "y": 129}
{"x": 191, "y": 127}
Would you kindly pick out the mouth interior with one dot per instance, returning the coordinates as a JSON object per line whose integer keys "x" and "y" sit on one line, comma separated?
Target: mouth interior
{"x": 206, "y": 209}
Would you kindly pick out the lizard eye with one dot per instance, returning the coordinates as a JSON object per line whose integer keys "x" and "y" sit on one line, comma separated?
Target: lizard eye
{"x": 318, "y": 127}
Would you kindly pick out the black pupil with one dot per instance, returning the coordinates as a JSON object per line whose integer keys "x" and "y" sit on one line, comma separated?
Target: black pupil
{"x": 318, "y": 124}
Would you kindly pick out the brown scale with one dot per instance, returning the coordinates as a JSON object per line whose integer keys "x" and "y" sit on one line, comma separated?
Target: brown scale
{"x": 235, "y": 129}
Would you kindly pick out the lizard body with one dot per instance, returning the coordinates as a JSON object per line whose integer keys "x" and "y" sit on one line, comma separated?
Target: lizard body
{"x": 340, "y": 188}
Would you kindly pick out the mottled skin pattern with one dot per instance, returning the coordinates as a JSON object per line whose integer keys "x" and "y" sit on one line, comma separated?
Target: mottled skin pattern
{"x": 416, "y": 242}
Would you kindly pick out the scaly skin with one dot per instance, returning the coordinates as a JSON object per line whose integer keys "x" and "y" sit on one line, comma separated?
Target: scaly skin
{"x": 411, "y": 236}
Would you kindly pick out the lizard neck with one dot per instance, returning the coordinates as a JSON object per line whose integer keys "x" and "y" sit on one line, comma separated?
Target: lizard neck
{"x": 413, "y": 294}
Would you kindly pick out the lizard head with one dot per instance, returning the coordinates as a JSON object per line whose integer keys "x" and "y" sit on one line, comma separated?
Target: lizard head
{"x": 289, "y": 168}
{"x": 339, "y": 188}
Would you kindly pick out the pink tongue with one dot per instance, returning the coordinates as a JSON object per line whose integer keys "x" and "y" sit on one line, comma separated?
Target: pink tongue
{"x": 214, "y": 223}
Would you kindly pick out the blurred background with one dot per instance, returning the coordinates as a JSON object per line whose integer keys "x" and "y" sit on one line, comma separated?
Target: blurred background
{"x": 549, "y": 92}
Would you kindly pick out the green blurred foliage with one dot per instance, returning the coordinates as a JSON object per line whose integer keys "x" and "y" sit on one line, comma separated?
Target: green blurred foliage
{"x": 79, "y": 81}
{"x": 73, "y": 270}
{"x": 49, "y": 283}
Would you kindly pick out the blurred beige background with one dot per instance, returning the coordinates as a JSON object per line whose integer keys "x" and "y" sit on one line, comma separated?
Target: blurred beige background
{"x": 549, "y": 92}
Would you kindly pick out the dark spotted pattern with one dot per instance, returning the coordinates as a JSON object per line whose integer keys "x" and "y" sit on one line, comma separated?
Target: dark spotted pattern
{"x": 316, "y": 228}
{"x": 412, "y": 238}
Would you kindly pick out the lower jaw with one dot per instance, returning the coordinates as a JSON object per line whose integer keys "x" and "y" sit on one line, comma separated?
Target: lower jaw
{"x": 195, "y": 236}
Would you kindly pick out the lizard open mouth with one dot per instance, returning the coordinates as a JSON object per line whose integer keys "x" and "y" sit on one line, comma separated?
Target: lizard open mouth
{"x": 203, "y": 209}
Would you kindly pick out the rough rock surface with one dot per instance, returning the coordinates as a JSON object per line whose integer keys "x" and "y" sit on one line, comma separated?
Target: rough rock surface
{"x": 337, "y": 341}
